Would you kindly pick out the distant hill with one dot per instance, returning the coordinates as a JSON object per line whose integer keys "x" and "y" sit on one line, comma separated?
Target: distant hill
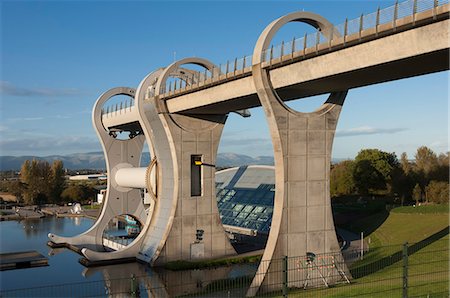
{"x": 95, "y": 160}
{"x": 91, "y": 160}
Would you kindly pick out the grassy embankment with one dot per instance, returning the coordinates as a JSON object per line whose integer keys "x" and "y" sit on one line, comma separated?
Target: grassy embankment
{"x": 428, "y": 267}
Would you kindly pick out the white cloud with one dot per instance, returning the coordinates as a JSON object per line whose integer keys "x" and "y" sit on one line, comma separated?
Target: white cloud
{"x": 33, "y": 145}
{"x": 13, "y": 90}
{"x": 367, "y": 130}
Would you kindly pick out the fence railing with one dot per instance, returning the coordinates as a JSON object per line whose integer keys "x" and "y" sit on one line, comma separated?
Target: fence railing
{"x": 313, "y": 40}
{"x": 310, "y": 42}
{"x": 421, "y": 270}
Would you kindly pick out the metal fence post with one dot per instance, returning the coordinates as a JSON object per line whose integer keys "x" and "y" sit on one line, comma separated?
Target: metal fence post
{"x": 285, "y": 276}
{"x": 405, "y": 271}
{"x": 134, "y": 286}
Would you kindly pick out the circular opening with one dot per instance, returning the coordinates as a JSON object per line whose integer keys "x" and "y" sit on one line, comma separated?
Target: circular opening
{"x": 121, "y": 231}
{"x": 292, "y": 38}
{"x": 116, "y": 107}
{"x": 187, "y": 75}
{"x": 307, "y": 104}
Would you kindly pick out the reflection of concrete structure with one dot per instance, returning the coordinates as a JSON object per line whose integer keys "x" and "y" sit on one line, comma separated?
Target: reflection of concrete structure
{"x": 121, "y": 280}
{"x": 182, "y": 123}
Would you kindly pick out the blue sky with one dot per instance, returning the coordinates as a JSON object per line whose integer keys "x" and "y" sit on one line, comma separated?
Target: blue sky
{"x": 57, "y": 57}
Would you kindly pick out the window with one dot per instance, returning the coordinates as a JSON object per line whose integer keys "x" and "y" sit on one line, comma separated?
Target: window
{"x": 196, "y": 175}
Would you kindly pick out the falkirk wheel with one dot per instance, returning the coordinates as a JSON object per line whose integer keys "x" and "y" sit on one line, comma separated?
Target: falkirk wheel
{"x": 180, "y": 188}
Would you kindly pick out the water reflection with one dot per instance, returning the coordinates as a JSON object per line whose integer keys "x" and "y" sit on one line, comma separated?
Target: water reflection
{"x": 158, "y": 282}
{"x": 73, "y": 279}
{"x": 129, "y": 278}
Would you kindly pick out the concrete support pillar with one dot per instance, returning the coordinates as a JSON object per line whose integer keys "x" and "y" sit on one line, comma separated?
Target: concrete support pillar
{"x": 196, "y": 209}
{"x": 302, "y": 220}
{"x": 180, "y": 210}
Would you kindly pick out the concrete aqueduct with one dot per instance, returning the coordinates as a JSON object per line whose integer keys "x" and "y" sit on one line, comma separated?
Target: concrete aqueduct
{"x": 182, "y": 124}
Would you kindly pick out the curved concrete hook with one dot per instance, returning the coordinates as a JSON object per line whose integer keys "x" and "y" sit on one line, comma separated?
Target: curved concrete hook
{"x": 264, "y": 40}
{"x": 315, "y": 20}
{"x": 159, "y": 225}
{"x": 175, "y": 65}
{"x": 91, "y": 235}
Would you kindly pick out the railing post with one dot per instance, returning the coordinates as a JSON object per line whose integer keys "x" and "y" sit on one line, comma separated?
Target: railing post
{"x": 227, "y": 68}
{"x": 304, "y": 44}
{"x": 243, "y": 64}
{"x": 361, "y": 25}
{"x": 206, "y": 75}
{"x": 377, "y": 21}
{"x": 345, "y": 30}
{"x": 395, "y": 15}
{"x": 293, "y": 48}
{"x": 436, "y": 4}
{"x": 405, "y": 271}
{"x": 414, "y": 12}
{"x": 235, "y": 66}
{"x": 317, "y": 40}
{"x": 285, "y": 276}
{"x": 330, "y": 38}
{"x": 282, "y": 51}
{"x": 271, "y": 55}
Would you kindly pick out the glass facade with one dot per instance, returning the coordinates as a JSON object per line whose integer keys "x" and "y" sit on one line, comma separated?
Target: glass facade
{"x": 248, "y": 207}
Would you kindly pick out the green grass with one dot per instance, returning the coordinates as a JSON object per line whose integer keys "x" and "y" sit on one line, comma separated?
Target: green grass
{"x": 427, "y": 275}
{"x": 93, "y": 207}
{"x": 397, "y": 229}
{"x": 424, "y": 209}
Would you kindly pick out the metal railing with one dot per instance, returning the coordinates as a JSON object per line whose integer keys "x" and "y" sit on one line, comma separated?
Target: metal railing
{"x": 310, "y": 42}
{"x": 404, "y": 270}
{"x": 118, "y": 108}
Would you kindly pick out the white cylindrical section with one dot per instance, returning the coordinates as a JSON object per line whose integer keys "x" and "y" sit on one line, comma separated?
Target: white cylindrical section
{"x": 131, "y": 177}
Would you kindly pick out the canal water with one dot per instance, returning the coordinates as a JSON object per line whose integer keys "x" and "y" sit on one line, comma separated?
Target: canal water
{"x": 65, "y": 276}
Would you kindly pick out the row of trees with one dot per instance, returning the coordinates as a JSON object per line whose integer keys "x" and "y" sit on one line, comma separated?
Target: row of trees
{"x": 377, "y": 172}
{"x": 41, "y": 182}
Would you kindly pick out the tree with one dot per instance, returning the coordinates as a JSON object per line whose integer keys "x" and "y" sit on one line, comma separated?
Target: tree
{"x": 341, "y": 179}
{"x": 78, "y": 193}
{"x": 405, "y": 164}
{"x": 426, "y": 160}
{"x": 438, "y": 192}
{"x": 57, "y": 180}
{"x": 373, "y": 170}
{"x": 36, "y": 175}
{"x": 417, "y": 193}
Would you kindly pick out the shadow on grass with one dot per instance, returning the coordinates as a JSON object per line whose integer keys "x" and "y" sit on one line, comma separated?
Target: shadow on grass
{"x": 364, "y": 223}
{"x": 397, "y": 256}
